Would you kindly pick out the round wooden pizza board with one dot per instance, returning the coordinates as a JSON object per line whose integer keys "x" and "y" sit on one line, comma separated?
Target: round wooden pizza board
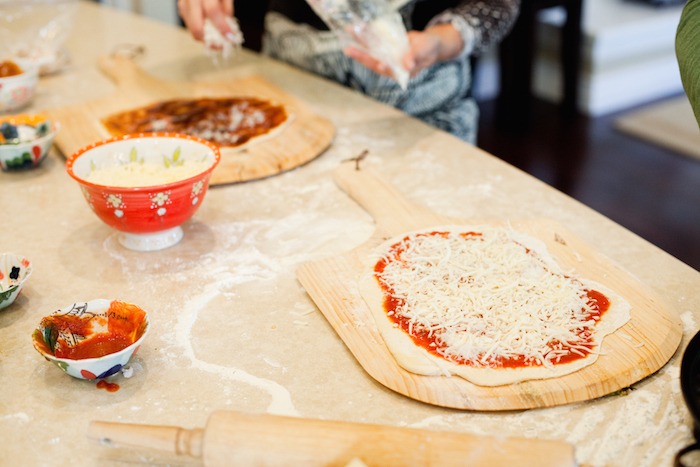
{"x": 304, "y": 137}
{"x": 636, "y": 350}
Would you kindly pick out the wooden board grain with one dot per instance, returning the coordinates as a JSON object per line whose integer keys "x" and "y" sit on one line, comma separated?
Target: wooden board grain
{"x": 305, "y": 137}
{"x": 635, "y": 351}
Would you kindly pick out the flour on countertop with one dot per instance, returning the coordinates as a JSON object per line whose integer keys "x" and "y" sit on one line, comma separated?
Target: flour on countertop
{"x": 689, "y": 325}
{"x": 21, "y": 416}
{"x": 642, "y": 416}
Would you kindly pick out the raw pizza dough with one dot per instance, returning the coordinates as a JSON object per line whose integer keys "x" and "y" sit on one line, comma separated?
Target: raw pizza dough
{"x": 417, "y": 359}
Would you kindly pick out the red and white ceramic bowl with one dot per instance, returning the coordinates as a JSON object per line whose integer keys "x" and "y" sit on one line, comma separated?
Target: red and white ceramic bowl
{"x": 82, "y": 323}
{"x": 145, "y": 185}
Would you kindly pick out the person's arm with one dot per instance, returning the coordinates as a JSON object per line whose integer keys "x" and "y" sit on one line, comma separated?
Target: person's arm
{"x": 194, "y": 12}
{"x": 471, "y": 26}
{"x": 437, "y": 43}
{"x": 481, "y": 23}
{"x": 688, "y": 53}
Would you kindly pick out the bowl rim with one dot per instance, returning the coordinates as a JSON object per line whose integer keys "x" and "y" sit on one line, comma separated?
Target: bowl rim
{"x": 148, "y": 188}
{"x": 55, "y": 127}
{"x": 85, "y": 361}
{"x": 28, "y": 73}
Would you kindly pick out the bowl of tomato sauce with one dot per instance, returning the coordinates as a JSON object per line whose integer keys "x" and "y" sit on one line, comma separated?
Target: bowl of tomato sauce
{"x": 92, "y": 340}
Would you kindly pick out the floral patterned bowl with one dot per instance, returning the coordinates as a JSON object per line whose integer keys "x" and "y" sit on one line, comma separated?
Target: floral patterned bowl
{"x": 25, "y": 140}
{"x": 145, "y": 185}
{"x": 14, "y": 272}
{"x": 18, "y": 90}
{"x": 92, "y": 340}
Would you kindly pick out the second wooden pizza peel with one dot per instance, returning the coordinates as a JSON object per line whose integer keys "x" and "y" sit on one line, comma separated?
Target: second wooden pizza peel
{"x": 303, "y": 138}
{"x": 638, "y": 349}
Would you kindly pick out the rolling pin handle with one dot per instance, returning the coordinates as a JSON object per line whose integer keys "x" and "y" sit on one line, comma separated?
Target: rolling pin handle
{"x": 189, "y": 442}
{"x": 172, "y": 439}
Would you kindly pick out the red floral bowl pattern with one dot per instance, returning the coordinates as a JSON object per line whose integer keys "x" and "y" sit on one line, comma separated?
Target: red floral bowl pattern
{"x": 144, "y": 210}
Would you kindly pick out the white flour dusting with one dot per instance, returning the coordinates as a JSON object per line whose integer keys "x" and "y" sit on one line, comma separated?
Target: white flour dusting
{"x": 21, "y": 416}
{"x": 281, "y": 402}
{"x": 643, "y": 417}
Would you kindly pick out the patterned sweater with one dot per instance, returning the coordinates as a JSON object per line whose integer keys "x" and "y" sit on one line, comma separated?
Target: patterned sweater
{"x": 490, "y": 20}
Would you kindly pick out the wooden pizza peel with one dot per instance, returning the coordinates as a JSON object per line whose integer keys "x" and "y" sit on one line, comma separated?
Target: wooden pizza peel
{"x": 304, "y": 137}
{"x": 638, "y": 349}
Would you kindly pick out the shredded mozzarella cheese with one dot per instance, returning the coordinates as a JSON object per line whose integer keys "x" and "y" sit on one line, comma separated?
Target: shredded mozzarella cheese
{"x": 486, "y": 297}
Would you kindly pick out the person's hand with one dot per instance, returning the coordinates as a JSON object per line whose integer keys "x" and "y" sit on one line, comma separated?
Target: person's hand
{"x": 194, "y": 12}
{"x": 436, "y": 44}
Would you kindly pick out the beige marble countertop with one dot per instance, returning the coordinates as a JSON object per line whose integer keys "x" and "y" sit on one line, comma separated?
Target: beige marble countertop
{"x": 232, "y": 328}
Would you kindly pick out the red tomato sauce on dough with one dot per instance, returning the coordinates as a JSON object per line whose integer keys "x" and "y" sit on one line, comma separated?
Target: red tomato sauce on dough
{"x": 598, "y": 302}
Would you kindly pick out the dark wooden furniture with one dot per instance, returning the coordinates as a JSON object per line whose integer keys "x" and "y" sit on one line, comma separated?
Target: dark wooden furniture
{"x": 517, "y": 53}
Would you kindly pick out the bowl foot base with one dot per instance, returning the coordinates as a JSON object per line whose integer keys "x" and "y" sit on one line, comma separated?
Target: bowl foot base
{"x": 151, "y": 241}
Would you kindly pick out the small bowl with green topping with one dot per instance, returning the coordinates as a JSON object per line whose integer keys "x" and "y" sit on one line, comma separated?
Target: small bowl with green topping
{"x": 25, "y": 140}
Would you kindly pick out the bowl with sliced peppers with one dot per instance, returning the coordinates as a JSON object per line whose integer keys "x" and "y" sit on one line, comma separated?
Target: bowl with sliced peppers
{"x": 25, "y": 140}
{"x": 92, "y": 340}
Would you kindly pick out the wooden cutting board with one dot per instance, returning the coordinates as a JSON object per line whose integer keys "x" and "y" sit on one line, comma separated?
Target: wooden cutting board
{"x": 636, "y": 350}
{"x": 302, "y": 139}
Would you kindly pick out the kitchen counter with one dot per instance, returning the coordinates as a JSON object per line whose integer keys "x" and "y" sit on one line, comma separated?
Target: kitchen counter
{"x": 232, "y": 327}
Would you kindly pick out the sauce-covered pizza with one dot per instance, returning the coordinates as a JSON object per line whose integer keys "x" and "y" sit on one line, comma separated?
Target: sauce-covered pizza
{"x": 488, "y": 304}
{"x": 227, "y": 122}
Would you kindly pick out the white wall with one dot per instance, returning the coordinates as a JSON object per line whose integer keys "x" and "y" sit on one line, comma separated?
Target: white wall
{"x": 161, "y": 10}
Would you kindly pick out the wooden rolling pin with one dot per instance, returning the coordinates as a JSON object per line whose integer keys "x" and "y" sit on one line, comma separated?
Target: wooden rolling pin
{"x": 233, "y": 438}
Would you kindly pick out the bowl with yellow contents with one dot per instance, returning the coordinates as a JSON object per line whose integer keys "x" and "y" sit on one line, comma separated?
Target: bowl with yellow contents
{"x": 145, "y": 185}
{"x": 92, "y": 340}
{"x": 25, "y": 140}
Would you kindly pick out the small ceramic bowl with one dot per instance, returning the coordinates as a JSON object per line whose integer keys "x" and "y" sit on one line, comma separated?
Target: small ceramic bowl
{"x": 14, "y": 272}
{"x": 17, "y": 91}
{"x": 145, "y": 185}
{"x": 29, "y": 139}
{"x": 92, "y": 340}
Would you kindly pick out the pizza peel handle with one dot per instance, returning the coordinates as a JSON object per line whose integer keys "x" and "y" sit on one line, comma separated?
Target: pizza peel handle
{"x": 392, "y": 212}
{"x": 234, "y": 438}
{"x": 135, "y": 82}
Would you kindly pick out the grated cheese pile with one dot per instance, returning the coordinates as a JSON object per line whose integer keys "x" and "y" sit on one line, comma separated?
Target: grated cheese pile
{"x": 218, "y": 46}
{"x": 144, "y": 173}
{"x": 486, "y": 298}
{"x": 222, "y": 127}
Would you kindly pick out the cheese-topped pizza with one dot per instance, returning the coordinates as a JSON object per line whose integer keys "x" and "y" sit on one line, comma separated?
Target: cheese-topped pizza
{"x": 227, "y": 122}
{"x": 488, "y": 304}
